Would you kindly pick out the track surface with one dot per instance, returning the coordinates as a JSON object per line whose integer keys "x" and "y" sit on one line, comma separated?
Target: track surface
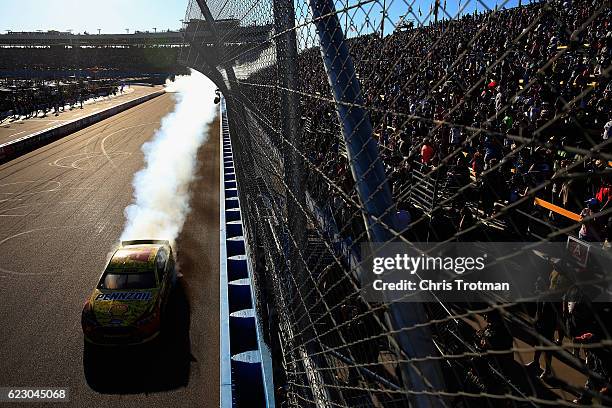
{"x": 11, "y": 130}
{"x": 61, "y": 211}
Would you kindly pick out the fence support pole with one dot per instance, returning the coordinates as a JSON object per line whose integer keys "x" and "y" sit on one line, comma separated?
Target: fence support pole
{"x": 286, "y": 61}
{"x": 375, "y": 196}
{"x": 291, "y": 142}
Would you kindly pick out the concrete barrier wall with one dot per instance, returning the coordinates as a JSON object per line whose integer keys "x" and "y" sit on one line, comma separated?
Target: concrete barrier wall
{"x": 26, "y": 144}
{"x": 246, "y": 365}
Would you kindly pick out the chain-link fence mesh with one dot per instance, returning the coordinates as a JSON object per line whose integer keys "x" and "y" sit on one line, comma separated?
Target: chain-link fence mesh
{"x": 491, "y": 122}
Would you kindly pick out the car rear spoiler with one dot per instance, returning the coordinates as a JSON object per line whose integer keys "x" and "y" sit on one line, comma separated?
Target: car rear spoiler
{"x": 145, "y": 241}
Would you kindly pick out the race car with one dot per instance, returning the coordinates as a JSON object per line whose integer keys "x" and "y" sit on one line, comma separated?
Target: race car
{"x": 127, "y": 305}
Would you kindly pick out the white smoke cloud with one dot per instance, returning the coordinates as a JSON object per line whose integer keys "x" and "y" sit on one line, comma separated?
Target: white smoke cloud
{"x": 161, "y": 189}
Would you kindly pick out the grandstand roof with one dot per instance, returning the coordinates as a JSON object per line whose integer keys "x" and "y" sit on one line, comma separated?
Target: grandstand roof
{"x": 138, "y": 38}
{"x": 48, "y": 38}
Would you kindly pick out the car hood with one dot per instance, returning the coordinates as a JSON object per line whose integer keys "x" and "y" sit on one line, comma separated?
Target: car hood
{"x": 122, "y": 307}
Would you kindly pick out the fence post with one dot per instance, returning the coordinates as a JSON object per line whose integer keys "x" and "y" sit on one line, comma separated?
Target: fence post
{"x": 291, "y": 142}
{"x": 289, "y": 112}
{"x": 375, "y": 196}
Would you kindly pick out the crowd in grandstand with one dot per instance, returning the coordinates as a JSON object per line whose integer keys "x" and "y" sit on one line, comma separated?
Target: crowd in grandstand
{"x": 26, "y": 99}
{"x": 498, "y": 103}
{"x": 497, "y": 108}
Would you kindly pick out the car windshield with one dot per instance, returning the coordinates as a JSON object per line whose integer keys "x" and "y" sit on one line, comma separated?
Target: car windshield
{"x": 123, "y": 280}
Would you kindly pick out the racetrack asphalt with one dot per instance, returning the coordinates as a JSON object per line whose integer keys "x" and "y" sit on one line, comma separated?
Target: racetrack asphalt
{"x": 61, "y": 212}
{"x": 16, "y": 129}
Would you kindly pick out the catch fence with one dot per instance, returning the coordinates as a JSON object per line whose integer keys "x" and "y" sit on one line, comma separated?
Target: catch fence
{"x": 416, "y": 121}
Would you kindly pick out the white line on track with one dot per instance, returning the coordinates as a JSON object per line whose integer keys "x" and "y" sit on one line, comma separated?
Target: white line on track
{"x": 117, "y": 131}
{"x": 47, "y": 120}
{"x": 89, "y": 155}
{"x": 10, "y": 272}
{"x": 3, "y": 210}
{"x": 74, "y": 163}
{"x": 15, "y": 134}
{"x": 57, "y": 187}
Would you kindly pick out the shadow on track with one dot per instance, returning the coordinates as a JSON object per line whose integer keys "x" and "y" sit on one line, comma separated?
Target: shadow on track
{"x": 161, "y": 365}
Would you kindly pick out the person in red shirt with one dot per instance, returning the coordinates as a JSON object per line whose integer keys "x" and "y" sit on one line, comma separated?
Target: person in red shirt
{"x": 427, "y": 152}
{"x": 604, "y": 195}
{"x": 477, "y": 163}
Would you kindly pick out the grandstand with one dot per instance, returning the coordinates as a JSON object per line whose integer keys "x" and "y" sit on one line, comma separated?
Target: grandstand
{"x": 488, "y": 126}
{"x": 54, "y": 54}
{"x": 68, "y": 39}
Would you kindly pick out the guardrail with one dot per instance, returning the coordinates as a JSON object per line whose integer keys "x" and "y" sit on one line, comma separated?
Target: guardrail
{"x": 26, "y": 144}
{"x": 246, "y": 365}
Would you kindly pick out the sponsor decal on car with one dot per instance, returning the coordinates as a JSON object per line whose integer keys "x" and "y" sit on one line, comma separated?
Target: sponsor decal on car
{"x": 125, "y": 296}
{"x": 118, "y": 309}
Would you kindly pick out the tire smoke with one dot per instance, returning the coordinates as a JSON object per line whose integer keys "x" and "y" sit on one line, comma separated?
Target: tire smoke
{"x": 160, "y": 202}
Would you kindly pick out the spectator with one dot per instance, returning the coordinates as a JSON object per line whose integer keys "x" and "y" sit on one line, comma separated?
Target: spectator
{"x": 427, "y": 152}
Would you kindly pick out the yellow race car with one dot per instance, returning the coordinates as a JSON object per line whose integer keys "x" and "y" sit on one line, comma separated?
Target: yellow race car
{"x": 127, "y": 305}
